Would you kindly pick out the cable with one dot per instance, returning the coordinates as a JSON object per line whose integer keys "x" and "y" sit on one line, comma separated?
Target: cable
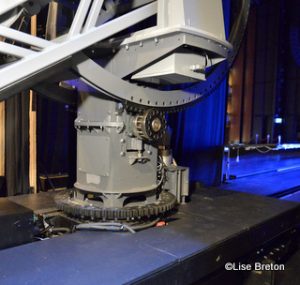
{"x": 106, "y": 226}
{"x": 116, "y": 226}
{"x": 145, "y": 225}
{"x": 61, "y": 229}
{"x": 268, "y": 149}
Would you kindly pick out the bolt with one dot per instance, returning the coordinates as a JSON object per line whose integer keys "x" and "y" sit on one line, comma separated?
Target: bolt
{"x": 122, "y": 153}
{"x": 196, "y": 68}
{"x": 120, "y": 106}
{"x": 156, "y": 125}
{"x": 122, "y": 141}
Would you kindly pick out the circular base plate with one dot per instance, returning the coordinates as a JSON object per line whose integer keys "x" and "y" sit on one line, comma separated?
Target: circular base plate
{"x": 83, "y": 210}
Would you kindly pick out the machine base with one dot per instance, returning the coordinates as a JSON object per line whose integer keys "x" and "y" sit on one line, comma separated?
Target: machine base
{"x": 87, "y": 210}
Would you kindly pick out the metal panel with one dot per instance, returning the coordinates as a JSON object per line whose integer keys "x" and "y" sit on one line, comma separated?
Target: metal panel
{"x": 196, "y": 14}
{"x": 39, "y": 204}
{"x": 94, "y": 154}
{"x": 16, "y": 224}
{"x": 177, "y": 68}
{"x": 127, "y": 61}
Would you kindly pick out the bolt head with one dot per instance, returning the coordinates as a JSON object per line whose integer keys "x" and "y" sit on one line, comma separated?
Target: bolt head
{"x": 156, "y": 125}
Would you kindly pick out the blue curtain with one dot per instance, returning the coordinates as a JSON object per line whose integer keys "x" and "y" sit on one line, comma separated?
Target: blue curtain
{"x": 198, "y": 132}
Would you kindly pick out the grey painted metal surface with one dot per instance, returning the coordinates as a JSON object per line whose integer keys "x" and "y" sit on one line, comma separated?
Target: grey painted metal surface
{"x": 23, "y": 38}
{"x": 15, "y": 50}
{"x": 23, "y": 72}
{"x": 79, "y": 18}
{"x": 8, "y": 5}
{"x": 118, "y": 145}
{"x": 105, "y": 149}
{"x": 93, "y": 15}
{"x": 17, "y": 76}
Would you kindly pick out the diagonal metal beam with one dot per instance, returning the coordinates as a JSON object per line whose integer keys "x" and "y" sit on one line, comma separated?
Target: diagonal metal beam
{"x": 23, "y": 37}
{"x": 25, "y": 73}
{"x": 93, "y": 15}
{"x": 13, "y": 50}
{"x": 80, "y": 17}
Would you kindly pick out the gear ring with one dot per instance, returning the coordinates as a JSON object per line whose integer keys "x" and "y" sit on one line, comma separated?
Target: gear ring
{"x": 86, "y": 211}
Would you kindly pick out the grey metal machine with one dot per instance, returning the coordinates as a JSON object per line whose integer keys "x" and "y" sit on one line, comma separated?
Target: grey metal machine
{"x": 127, "y": 78}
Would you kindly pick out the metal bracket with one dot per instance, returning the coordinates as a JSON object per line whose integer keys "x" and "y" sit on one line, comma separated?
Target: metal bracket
{"x": 90, "y": 125}
{"x": 177, "y": 182}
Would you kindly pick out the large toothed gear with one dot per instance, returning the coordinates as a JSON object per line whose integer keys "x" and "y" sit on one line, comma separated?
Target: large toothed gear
{"x": 151, "y": 125}
{"x": 87, "y": 210}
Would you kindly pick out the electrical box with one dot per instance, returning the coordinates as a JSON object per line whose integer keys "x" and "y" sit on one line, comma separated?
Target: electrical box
{"x": 17, "y": 224}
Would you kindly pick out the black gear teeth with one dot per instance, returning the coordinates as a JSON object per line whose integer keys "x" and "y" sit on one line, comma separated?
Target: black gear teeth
{"x": 74, "y": 209}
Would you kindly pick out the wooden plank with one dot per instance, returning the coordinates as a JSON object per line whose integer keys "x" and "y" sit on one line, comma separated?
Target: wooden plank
{"x": 32, "y": 127}
{"x": 2, "y": 138}
{"x": 2, "y": 135}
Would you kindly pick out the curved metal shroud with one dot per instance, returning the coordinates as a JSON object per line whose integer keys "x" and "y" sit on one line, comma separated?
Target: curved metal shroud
{"x": 31, "y": 70}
